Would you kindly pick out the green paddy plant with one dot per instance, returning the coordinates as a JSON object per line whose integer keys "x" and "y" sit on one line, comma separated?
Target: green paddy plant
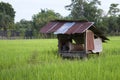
{"x": 37, "y": 59}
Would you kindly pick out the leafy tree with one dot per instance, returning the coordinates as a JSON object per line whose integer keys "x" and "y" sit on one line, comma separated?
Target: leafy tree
{"x": 5, "y": 21}
{"x": 113, "y": 19}
{"x": 7, "y": 9}
{"x": 113, "y": 9}
{"x": 82, "y": 9}
{"x": 7, "y": 15}
{"x": 25, "y": 27}
{"x": 76, "y": 8}
{"x": 118, "y": 21}
{"x": 40, "y": 19}
{"x": 113, "y": 25}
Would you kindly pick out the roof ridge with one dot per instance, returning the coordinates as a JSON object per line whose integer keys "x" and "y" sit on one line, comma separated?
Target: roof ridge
{"x": 69, "y": 20}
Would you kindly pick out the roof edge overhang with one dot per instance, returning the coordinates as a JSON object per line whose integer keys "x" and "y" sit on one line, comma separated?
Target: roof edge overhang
{"x": 89, "y": 26}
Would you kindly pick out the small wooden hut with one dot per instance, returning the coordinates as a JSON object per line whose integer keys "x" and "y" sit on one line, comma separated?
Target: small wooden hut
{"x": 75, "y": 38}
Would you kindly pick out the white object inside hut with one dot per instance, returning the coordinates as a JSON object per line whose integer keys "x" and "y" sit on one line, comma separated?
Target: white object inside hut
{"x": 97, "y": 45}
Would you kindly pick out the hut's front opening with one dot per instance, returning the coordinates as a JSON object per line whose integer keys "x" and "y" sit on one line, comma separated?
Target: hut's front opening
{"x": 72, "y": 45}
{"x": 78, "y": 44}
{"x": 69, "y": 43}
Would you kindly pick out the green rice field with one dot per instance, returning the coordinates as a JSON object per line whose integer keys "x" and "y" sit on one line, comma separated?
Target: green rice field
{"x": 38, "y": 60}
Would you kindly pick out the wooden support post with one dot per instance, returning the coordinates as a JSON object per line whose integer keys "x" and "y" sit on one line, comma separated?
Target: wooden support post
{"x": 59, "y": 44}
{"x": 85, "y": 43}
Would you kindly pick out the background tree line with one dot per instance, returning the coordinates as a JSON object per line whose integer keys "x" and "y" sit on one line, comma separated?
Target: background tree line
{"x": 108, "y": 23}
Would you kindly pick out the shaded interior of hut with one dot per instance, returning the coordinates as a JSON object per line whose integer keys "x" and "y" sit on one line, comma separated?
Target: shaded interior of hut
{"x": 70, "y": 43}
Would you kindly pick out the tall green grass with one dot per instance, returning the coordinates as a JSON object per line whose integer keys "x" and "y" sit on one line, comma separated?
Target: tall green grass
{"x": 38, "y": 60}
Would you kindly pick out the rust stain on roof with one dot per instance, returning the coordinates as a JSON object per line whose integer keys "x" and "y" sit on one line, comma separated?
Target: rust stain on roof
{"x": 66, "y": 27}
{"x": 79, "y": 27}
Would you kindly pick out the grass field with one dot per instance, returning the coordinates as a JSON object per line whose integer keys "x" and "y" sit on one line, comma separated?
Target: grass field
{"x": 38, "y": 60}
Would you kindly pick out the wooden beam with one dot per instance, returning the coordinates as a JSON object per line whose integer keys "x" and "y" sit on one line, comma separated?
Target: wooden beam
{"x": 85, "y": 41}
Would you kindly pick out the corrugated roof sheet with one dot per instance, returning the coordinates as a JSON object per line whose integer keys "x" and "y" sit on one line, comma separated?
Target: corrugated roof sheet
{"x": 66, "y": 27}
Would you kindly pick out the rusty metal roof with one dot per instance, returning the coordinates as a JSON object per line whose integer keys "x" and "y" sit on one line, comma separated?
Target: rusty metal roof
{"x": 66, "y": 27}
